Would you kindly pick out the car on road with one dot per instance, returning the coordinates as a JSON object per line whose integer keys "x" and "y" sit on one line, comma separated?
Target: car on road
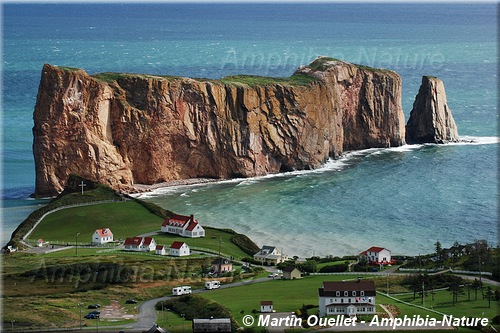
{"x": 273, "y": 275}
{"x": 131, "y": 301}
{"x": 93, "y": 306}
{"x": 91, "y": 316}
{"x": 95, "y": 312}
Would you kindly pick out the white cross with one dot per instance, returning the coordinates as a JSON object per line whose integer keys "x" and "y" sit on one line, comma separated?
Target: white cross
{"x": 82, "y": 185}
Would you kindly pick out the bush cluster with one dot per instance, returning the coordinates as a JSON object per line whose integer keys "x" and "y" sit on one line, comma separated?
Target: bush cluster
{"x": 194, "y": 306}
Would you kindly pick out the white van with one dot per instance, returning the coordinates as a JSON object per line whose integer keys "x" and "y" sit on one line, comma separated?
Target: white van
{"x": 212, "y": 285}
{"x": 184, "y": 290}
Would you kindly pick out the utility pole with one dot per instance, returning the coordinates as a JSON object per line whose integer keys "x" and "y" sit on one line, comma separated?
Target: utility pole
{"x": 80, "y": 306}
{"x": 423, "y": 294}
{"x": 78, "y": 234}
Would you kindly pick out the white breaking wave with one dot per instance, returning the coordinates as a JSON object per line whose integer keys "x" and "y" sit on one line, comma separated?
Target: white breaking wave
{"x": 331, "y": 165}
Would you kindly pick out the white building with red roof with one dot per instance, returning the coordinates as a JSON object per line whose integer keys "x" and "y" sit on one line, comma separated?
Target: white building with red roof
{"x": 140, "y": 244}
{"x": 160, "y": 249}
{"x": 179, "y": 249}
{"x": 377, "y": 255}
{"x": 185, "y": 226}
{"x": 102, "y": 236}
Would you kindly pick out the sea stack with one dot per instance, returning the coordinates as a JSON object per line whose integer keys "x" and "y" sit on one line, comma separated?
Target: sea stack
{"x": 431, "y": 120}
{"x": 123, "y": 129}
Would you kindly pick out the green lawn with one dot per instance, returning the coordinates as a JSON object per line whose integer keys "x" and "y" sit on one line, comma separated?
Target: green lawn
{"x": 211, "y": 241}
{"x": 333, "y": 263}
{"x": 289, "y": 295}
{"x": 125, "y": 219}
{"x": 443, "y": 303}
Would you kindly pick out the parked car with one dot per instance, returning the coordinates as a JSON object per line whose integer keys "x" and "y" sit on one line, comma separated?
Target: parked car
{"x": 93, "y": 306}
{"x": 91, "y": 316}
{"x": 273, "y": 275}
{"x": 131, "y": 301}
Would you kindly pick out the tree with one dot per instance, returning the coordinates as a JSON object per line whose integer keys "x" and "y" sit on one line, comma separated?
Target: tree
{"x": 439, "y": 253}
{"x": 455, "y": 289}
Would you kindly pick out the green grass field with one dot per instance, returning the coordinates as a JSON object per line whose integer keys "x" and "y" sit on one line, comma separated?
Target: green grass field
{"x": 211, "y": 241}
{"x": 290, "y": 295}
{"x": 125, "y": 219}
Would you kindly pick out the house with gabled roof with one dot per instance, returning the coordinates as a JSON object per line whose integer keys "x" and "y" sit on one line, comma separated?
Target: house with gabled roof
{"x": 269, "y": 255}
{"x": 160, "y": 250}
{"x": 291, "y": 273}
{"x": 266, "y": 306}
{"x": 181, "y": 225}
{"x": 377, "y": 255}
{"x": 179, "y": 249}
{"x": 102, "y": 236}
{"x": 347, "y": 298}
{"x": 140, "y": 244}
{"x": 222, "y": 265}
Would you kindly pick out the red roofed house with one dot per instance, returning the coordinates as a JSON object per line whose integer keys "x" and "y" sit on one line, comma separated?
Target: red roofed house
{"x": 347, "y": 298}
{"x": 185, "y": 226}
{"x": 102, "y": 236}
{"x": 160, "y": 249}
{"x": 179, "y": 249}
{"x": 377, "y": 255}
{"x": 140, "y": 244}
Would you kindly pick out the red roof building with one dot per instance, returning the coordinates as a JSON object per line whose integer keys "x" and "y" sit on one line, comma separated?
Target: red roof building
{"x": 102, "y": 236}
{"x": 377, "y": 255}
{"x": 181, "y": 225}
{"x": 179, "y": 249}
{"x": 140, "y": 244}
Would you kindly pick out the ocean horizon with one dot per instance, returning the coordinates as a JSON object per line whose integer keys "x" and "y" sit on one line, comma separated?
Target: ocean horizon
{"x": 403, "y": 198}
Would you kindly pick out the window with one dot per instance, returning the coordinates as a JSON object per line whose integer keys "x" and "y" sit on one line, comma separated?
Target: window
{"x": 337, "y": 293}
{"x": 346, "y": 293}
{"x": 341, "y": 300}
{"x": 362, "y": 293}
{"x": 353, "y": 293}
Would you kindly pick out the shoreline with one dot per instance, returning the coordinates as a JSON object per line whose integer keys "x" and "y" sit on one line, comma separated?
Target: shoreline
{"x": 138, "y": 189}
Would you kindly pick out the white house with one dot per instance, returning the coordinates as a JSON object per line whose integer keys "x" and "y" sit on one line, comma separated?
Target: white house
{"x": 269, "y": 255}
{"x": 347, "y": 298}
{"x": 102, "y": 236}
{"x": 160, "y": 249}
{"x": 377, "y": 255}
{"x": 185, "y": 226}
{"x": 179, "y": 249}
{"x": 140, "y": 244}
{"x": 266, "y": 306}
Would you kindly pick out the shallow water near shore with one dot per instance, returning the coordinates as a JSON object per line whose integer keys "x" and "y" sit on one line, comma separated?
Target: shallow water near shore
{"x": 376, "y": 196}
{"x": 402, "y": 198}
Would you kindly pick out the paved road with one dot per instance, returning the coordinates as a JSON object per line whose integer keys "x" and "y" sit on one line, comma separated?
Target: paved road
{"x": 147, "y": 313}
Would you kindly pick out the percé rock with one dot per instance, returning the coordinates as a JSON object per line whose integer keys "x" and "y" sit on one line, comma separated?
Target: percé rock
{"x": 431, "y": 120}
{"x": 125, "y": 129}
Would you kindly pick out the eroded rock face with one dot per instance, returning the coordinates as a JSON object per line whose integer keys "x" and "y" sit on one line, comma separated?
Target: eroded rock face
{"x": 146, "y": 129}
{"x": 431, "y": 120}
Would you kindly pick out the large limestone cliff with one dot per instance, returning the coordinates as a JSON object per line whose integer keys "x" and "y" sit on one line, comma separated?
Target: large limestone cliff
{"x": 124, "y": 129}
{"x": 431, "y": 120}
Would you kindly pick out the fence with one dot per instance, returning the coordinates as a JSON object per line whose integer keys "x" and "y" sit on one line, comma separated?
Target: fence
{"x": 435, "y": 270}
{"x": 25, "y": 237}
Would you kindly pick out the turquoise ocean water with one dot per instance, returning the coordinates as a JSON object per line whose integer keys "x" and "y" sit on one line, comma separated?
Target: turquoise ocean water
{"x": 403, "y": 199}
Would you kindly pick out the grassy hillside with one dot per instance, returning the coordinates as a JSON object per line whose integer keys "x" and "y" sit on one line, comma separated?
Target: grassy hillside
{"x": 126, "y": 219}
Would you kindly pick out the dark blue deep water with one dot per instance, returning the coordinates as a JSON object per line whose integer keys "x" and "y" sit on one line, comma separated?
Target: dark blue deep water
{"x": 404, "y": 199}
